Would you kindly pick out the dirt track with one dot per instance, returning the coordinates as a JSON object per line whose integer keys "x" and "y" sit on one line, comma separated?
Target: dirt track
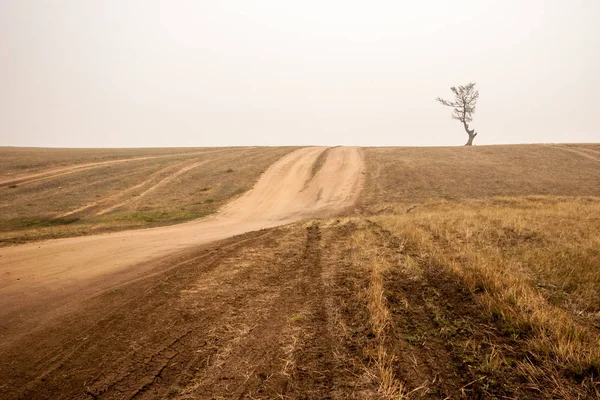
{"x": 114, "y": 201}
{"x": 41, "y": 281}
{"x": 582, "y": 151}
{"x": 55, "y": 172}
{"x": 153, "y": 187}
{"x": 253, "y": 316}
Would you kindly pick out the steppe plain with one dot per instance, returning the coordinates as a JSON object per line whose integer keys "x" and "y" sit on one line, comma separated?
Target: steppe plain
{"x": 300, "y": 273}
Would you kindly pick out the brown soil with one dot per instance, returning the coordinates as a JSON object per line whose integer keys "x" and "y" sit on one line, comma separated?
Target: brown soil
{"x": 278, "y": 313}
{"x": 249, "y": 317}
{"x": 290, "y": 308}
{"x": 39, "y": 280}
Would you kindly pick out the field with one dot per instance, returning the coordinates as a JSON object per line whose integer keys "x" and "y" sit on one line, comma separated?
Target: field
{"x": 444, "y": 273}
{"x": 51, "y": 193}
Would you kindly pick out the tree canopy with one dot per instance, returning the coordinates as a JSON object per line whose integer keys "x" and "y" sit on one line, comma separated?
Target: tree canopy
{"x": 463, "y": 106}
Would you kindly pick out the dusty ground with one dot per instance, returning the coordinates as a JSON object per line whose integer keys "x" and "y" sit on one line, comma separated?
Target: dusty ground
{"x": 477, "y": 296}
{"x": 193, "y": 331}
{"x": 337, "y": 308}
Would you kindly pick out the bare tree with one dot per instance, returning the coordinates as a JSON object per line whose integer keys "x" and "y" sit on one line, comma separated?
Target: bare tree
{"x": 465, "y": 100}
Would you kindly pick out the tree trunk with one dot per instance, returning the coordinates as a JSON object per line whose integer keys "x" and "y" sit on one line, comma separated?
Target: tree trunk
{"x": 471, "y": 133}
{"x": 470, "y": 141}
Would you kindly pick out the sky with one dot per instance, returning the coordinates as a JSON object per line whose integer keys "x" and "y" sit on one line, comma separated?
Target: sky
{"x": 147, "y": 73}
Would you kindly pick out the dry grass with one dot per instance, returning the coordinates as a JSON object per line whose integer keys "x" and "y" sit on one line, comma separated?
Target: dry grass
{"x": 412, "y": 174}
{"x": 380, "y": 369}
{"x": 516, "y": 228}
{"x": 15, "y": 161}
{"x": 532, "y": 265}
{"x": 160, "y": 186}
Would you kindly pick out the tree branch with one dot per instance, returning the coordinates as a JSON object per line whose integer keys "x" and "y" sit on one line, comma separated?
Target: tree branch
{"x": 464, "y": 105}
{"x": 469, "y": 131}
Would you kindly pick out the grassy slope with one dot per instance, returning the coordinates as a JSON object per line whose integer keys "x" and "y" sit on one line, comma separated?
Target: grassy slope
{"x": 18, "y": 160}
{"x": 481, "y": 270}
{"x": 145, "y": 193}
{"x": 502, "y": 292}
{"x": 417, "y": 174}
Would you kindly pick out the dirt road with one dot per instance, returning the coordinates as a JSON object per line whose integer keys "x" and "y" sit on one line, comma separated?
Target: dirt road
{"x": 41, "y": 281}
{"x": 256, "y": 316}
{"x": 374, "y": 306}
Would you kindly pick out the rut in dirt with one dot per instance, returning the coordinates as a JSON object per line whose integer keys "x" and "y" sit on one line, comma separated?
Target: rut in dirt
{"x": 251, "y": 317}
{"x": 84, "y": 266}
{"x": 280, "y": 313}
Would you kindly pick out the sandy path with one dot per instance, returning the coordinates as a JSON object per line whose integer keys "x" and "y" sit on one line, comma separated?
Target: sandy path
{"x": 253, "y": 316}
{"x": 37, "y": 279}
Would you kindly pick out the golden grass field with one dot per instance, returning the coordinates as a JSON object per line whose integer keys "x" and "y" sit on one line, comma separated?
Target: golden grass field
{"x": 460, "y": 273}
{"x": 515, "y": 230}
{"x": 505, "y": 290}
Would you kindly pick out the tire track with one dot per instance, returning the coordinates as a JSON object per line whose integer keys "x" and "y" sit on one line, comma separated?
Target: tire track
{"x": 276, "y": 199}
{"x": 251, "y": 317}
{"x": 136, "y": 370}
{"x": 122, "y": 193}
{"x": 83, "y": 266}
{"x": 580, "y": 152}
{"x": 152, "y": 188}
{"x": 56, "y": 172}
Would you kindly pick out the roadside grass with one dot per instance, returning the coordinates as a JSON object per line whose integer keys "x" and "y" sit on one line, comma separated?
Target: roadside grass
{"x": 158, "y": 217}
{"x": 319, "y": 162}
{"x": 24, "y": 230}
{"x": 26, "y": 222}
{"x": 380, "y": 367}
{"x": 530, "y": 266}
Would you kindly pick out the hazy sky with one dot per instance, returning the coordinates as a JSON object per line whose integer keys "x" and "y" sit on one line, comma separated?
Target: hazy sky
{"x": 113, "y": 73}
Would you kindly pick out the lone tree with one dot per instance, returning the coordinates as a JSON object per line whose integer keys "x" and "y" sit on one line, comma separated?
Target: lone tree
{"x": 465, "y": 100}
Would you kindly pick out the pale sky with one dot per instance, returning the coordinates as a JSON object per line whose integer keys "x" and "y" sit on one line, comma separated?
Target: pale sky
{"x": 119, "y": 73}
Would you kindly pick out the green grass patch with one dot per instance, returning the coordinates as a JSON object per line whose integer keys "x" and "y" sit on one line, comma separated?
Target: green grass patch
{"x": 154, "y": 217}
{"x": 298, "y": 317}
{"x": 36, "y": 221}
